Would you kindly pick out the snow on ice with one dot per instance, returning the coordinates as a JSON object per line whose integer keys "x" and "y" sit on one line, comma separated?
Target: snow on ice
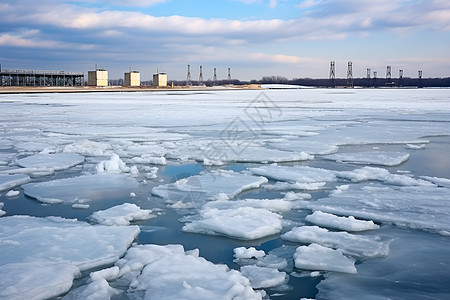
{"x": 155, "y": 271}
{"x": 51, "y": 252}
{"x": 242, "y": 252}
{"x": 263, "y": 277}
{"x": 121, "y": 215}
{"x": 246, "y": 223}
{"x": 371, "y": 158}
{"x": 319, "y": 258}
{"x": 342, "y": 223}
{"x": 359, "y": 246}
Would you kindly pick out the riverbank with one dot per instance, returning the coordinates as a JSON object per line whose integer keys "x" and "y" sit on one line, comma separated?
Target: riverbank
{"x": 92, "y": 89}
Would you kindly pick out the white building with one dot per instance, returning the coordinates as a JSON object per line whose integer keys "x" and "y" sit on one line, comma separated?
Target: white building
{"x": 132, "y": 78}
{"x": 98, "y": 77}
{"x": 160, "y": 79}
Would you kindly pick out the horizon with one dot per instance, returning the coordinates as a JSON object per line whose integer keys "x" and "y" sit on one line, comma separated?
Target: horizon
{"x": 255, "y": 38}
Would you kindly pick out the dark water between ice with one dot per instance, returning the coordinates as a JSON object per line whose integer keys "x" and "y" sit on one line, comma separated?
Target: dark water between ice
{"x": 434, "y": 160}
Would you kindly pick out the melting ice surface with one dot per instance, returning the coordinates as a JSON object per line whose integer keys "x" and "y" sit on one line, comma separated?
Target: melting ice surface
{"x": 286, "y": 187}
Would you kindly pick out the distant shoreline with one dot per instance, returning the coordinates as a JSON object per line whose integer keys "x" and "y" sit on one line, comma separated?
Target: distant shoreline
{"x": 93, "y": 89}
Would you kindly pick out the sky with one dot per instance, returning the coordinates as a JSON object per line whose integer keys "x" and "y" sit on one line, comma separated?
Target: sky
{"x": 255, "y": 38}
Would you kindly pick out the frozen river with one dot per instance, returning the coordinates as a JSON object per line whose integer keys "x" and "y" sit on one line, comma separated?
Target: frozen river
{"x": 280, "y": 194}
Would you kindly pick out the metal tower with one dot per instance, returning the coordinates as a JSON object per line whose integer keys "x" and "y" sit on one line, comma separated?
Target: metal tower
{"x": 188, "y": 79}
{"x": 420, "y": 78}
{"x": 388, "y": 73}
{"x": 200, "y": 78}
{"x": 400, "y": 77}
{"x": 229, "y": 75}
{"x": 215, "y": 77}
{"x": 332, "y": 74}
{"x": 350, "y": 74}
{"x": 420, "y": 74}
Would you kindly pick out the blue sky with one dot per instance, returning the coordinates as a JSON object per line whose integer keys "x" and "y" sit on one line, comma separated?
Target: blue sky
{"x": 255, "y": 38}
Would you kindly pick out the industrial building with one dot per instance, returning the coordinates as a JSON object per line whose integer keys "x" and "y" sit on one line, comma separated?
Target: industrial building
{"x": 98, "y": 77}
{"x": 40, "y": 78}
{"x": 132, "y": 78}
{"x": 160, "y": 79}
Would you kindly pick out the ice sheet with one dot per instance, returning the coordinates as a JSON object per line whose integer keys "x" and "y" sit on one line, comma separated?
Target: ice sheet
{"x": 359, "y": 246}
{"x": 49, "y": 252}
{"x": 57, "y": 161}
{"x": 199, "y": 188}
{"x": 155, "y": 271}
{"x": 319, "y": 258}
{"x": 244, "y": 223}
{"x": 275, "y": 205}
{"x": 81, "y": 189}
{"x": 371, "y": 158}
{"x": 420, "y": 207}
{"x": 342, "y": 223}
{"x": 11, "y": 181}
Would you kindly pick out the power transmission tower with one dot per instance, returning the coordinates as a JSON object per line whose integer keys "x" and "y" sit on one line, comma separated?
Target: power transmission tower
{"x": 350, "y": 74}
{"x": 229, "y": 75}
{"x": 400, "y": 77}
{"x": 200, "y": 78}
{"x": 332, "y": 74}
{"x": 420, "y": 78}
{"x": 188, "y": 79}
{"x": 215, "y": 77}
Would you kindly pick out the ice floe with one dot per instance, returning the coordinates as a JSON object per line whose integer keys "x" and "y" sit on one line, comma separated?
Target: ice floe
{"x": 155, "y": 271}
{"x": 2, "y": 212}
{"x": 359, "y": 246}
{"x": 320, "y": 258}
{"x": 57, "y": 161}
{"x": 342, "y": 223}
{"x": 88, "y": 148}
{"x": 276, "y": 205}
{"x": 420, "y": 207}
{"x": 11, "y": 181}
{"x": 297, "y": 174}
{"x": 371, "y": 158}
{"x": 121, "y": 215}
{"x": 41, "y": 256}
{"x": 263, "y": 277}
{"x": 246, "y": 223}
{"x": 208, "y": 186}
{"x": 81, "y": 189}
{"x": 12, "y": 193}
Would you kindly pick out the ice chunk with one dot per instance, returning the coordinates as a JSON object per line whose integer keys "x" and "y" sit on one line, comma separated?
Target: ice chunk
{"x": 49, "y": 252}
{"x": 115, "y": 165}
{"x": 81, "y": 189}
{"x": 5, "y": 158}
{"x": 445, "y": 182}
{"x": 308, "y": 146}
{"x": 262, "y": 277}
{"x": 11, "y": 181}
{"x": 317, "y": 257}
{"x": 285, "y": 186}
{"x": 36, "y": 280}
{"x": 12, "y": 193}
{"x": 423, "y": 207}
{"x": 208, "y": 186}
{"x": 342, "y": 223}
{"x": 298, "y": 174}
{"x": 155, "y": 270}
{"x": 149, "y": 159}
{"x": 416, "y": 146}
{"x": 242, "y": 252}
{"x": 371, "y": 158}
{"x": 380, "y": 174}
{"x": 121, "y": 215}
{"x": 107, "y": 274}
{"x": 244, "y": 223}
{"x": 356, "y": 245}
{"x": 57, "y": 161}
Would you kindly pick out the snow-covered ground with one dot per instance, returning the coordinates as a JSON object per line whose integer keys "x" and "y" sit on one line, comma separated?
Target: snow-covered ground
{"x": 227, "y": 194}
